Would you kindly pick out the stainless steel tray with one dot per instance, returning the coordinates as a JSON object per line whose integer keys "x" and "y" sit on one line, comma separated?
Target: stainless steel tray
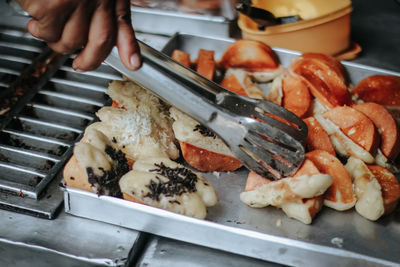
{"x": 334, "y": 238}
{"x": 168, "y": 22}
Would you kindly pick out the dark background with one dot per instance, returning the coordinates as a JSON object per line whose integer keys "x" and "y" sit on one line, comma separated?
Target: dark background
{"x": 375, "y": 26}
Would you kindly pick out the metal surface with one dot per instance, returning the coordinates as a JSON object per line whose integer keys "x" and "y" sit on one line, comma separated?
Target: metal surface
{"x": 334, "y": 238}
{"x": 232, "y": 117}
{"x": 45, "y": 109}
{"x": 161, "y": 251}
{"x": 67, "y": 241}
{"x": 169, "y": 22}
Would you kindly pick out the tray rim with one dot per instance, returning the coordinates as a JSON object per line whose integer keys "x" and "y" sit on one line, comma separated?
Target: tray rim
{"x": 346, "y": 63}
{"x": 271, "y": 242}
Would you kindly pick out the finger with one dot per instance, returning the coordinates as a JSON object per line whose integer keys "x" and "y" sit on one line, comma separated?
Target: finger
{"x": 76, "y": 30}
{"x": 127, "y": 45}
{"x": 101, "y": 38}
{"x": 48, "y": 22}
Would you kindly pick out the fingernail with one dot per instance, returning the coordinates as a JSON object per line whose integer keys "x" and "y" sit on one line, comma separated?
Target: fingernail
{"x": 79, "y": 70}
{"x": 135, "y": 61}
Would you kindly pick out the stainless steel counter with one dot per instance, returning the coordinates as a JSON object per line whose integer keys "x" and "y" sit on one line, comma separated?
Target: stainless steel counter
{"x": 65, "y": 241}
{"x": 73, "y": 241}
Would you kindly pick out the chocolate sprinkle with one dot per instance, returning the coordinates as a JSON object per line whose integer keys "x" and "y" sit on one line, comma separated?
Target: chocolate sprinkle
{"x": 109, "y": 181}
{"x": 180, "y": 180}
{"x": 204, "y": 131}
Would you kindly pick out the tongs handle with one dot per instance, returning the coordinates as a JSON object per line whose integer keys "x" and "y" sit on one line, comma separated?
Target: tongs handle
{"x": 174, "y": 83}
{"x": 197, "y": 83}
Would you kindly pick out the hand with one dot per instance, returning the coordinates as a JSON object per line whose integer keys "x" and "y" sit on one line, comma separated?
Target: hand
{"x": 94, "y": 26}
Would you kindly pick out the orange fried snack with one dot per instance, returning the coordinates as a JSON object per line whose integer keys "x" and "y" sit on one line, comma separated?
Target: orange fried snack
{"x": 296, "y": 95}
{"x": 355, "y": 125}
{"x": 232, "y": 84}
{"x": 317, "y": 138}
{"x": 380, "y": 89}
{"x": 206, "y": 64}
{"x": 386, "y": 125}
{"x": 390, "y": 187}
{"x": 181, "y": 57}
{"x": 340, "y": 195}
{"x": 326, "y": 81}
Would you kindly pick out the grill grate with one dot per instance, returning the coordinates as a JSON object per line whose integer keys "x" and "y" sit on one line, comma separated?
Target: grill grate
{"x": 37, "y": 140}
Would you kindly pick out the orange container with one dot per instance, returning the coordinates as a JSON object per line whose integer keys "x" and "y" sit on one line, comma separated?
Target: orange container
{"x": 329, "y": 34}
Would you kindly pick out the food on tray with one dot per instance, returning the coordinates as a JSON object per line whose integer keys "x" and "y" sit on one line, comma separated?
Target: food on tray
{"x": 367, "y": 188}
{"x": 205, "y": 64}
{"x": 356, "y": 126}
{"x": 201, "y": 148}
{"x": 390, "y": 187}
{"x": 334, "y": 126}
{"x": 140, "y": 131}
{"x": 232, "y": 83}
{"x": 96, "y": 166}
{"x": 386, "y": 126}
{"x": 340, "y": 195}
{"x": 182, "y": 57}
{"x": 317, "y": 138}
{"x": 140, "y": 127}
{"x": 165, "y": 184}
{"x": 263, "y": 192}
{"x": 138, "y": 124}
{"x": 380, "y": 89}
{"x": 324, "y": 77}
{"x": 296, "y": 95}
{"x": 302, "y": 209}
{"x": 344, "y": 146}
{"x": 256, "y": 58}
{"x": 251, "y": 89}
{"x": 275, "y": 94}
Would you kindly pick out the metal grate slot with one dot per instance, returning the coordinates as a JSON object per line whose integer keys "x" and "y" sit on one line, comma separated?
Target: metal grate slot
{"x": 15, "y": 175}
{"x": 81, "y": 85}
{"x": 6, "y": 42}
{"x": 103, "y": 71}
{"x": 56, "y": 115}
{"x": 71, "y": 90}
{"x": 13, "y": 65}
{"x": 44, "y": 129}
{"x": 39, "y": 132}
{"x": 7, "y": 76}
{"x": 60, "y": 100}
{"x": 20, "y": 37}
{"x": 98, "y": 78}
{"x": 12, "y": 53}
{"x": 24, "y": 157}
{"x": 3, "y": 86}
{"x": 33, "y": 142}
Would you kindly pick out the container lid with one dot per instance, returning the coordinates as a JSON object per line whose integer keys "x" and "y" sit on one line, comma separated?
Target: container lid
{"x": 305, "y": 9}
{"x": 250, "y": 26}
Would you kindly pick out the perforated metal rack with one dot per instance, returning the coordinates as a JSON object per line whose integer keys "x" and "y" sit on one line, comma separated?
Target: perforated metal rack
{"x": 38, "y": 131}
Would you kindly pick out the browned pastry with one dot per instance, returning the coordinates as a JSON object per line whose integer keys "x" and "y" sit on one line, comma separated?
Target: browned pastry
{"x": 256, "y": 58}
{"x": 162, "y": 183}
{"x": 201, "y": 148}
{"x": 325, "y": 78}
{"x": 96, "y": 166}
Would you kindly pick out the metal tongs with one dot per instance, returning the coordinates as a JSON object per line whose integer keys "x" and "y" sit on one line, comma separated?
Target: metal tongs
{"x": 268, "y": 146}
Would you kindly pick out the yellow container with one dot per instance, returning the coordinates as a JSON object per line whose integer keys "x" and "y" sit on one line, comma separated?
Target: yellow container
{"x": 329, "y": 33}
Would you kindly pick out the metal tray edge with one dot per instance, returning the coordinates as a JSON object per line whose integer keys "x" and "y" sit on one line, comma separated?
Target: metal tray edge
{"x": 202, "y": 232}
